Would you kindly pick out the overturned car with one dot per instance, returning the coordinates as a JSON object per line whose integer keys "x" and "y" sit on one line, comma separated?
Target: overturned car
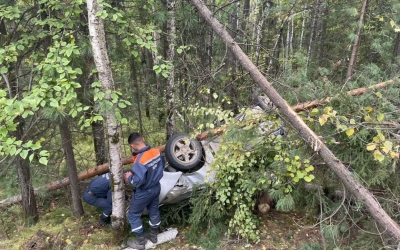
{"x": 189, "y": 160}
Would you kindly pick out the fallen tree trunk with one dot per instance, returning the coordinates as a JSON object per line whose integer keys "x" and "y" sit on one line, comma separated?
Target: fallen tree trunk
{"x": 354, "y": 92}
{"x": 359, "y": 191}
{"x": 101, "y": 169}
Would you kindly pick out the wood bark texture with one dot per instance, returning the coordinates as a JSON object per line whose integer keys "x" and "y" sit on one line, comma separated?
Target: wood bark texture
{"x": 66, "y": 139}
{"x": 171, "y": 42}
{"x": 354, "y": 92}
{"x": 359, "y": 191}
{"x": 100, "y": 56}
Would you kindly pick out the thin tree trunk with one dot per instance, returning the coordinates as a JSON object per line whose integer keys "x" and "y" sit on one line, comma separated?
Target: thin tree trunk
{"x": 275, "y": 50}
{"x": 353, "y": 58}
{"x": 66, "y": 139}
{"x": 97, "y": 39}
{"x": 29, "y": 206}
{"x": 244, "y": 21}
{"x": 136, "y": 83}
{"x": 287, "y": 45}
{"x": 396, "y": 52}
{"x": 304, "y": 131}
{"x": 31, "y": 215}
{"x": 322, "y": 50}
{"x": 99, "y": 143}
{"x": 260, "y": 24}
{"x": 312, "y": 31}
{"x": 150, "y": 77}
{"x": 231, "y": 64}
{"x": 302, "y": 27}
{"x": 171, "y": 41}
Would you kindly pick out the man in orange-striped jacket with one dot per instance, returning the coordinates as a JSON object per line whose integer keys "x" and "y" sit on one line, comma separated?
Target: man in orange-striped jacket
{"x": 148, "y": 167}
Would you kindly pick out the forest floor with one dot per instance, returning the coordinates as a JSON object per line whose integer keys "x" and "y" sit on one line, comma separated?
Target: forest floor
{"x": 278, "y": 231}
{"x": 59, "y": 229}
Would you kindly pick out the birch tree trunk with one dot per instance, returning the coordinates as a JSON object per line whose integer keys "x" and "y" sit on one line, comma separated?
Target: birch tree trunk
{"x": 97, "y": 39}
{"x": 353, "y": 58}
{"x": 304, "y": 131}
{"x": 66, "y": 139}
{"x": 260, "y": 24}
{"x": 171, "y": 29}
{"x": 302, "y": 27}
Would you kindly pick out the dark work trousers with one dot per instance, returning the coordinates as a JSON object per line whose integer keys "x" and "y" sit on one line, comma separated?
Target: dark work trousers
{"x": 105, "y": 203}
{"x": 141, "y": 199}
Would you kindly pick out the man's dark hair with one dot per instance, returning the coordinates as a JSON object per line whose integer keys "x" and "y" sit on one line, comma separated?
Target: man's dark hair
{"x": 134, "y": 138}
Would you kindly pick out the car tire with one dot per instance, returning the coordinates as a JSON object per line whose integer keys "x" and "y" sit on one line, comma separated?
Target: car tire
{"x": 184, "y": 154}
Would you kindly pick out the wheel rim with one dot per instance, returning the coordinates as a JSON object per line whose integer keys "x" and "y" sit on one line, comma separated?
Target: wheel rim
{"x": 185, "y": 151}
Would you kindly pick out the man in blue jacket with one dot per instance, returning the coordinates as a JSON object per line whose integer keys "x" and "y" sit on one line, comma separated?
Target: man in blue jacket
{"x": 98, "y": 194}
{"x": 147, "y": 170}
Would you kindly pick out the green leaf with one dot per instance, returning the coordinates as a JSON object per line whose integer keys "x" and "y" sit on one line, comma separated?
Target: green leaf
{"x": 367, "y": 118}
{"x": 43, "y": 160}
{"x": 24, "y": 153}
{"x": 380, "y": 117}
{"x": 309, "y": 168}
{"x": 371, "y": 146}
{"x": 54, "y": 103}
{"x": 309, "y": 178}
{"x": 350, "y": 132}
{"x": 387, "y": 146}
{"x": 323, "y": 119}
{"x": 327, "y": 110}
{"x": 369, "y": 109}
{"x": 3, "y": 131}
{"x": 12, "y": 150}
{"x": 378, "y": 156}
{"x": 300, "y": 175}
{"x": 4, "y": 70}
{"x": 314, "y": 112}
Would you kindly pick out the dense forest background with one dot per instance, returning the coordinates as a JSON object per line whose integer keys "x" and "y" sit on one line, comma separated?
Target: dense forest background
{"x": 172, "y": 73}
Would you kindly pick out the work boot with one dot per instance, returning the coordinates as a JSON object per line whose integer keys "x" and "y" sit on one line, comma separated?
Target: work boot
{"x": 104, "y": 220}
{"x": 138, "y": 244}
{"x": 152, "y": 235}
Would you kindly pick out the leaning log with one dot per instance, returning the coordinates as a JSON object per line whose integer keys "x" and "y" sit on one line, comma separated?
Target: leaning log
{"x": 354, "y": 92}
{"x": 310, "y": 137}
